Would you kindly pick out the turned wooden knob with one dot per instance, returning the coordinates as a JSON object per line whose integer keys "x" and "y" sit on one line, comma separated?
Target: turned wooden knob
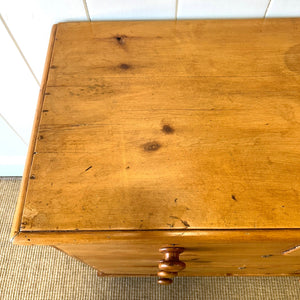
{"x": 164, "y": 274}
{"x": 170, "y": 265}
{"x": 164, "y": 281}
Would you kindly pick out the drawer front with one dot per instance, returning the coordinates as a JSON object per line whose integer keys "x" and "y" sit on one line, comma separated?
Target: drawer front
{"x": 209, "y": 259}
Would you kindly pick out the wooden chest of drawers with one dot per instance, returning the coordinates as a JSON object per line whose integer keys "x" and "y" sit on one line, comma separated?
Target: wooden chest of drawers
{"x": 164, "y": 134}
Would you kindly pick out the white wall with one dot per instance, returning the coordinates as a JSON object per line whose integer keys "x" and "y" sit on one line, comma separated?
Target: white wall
{"x": 24, "y": 33}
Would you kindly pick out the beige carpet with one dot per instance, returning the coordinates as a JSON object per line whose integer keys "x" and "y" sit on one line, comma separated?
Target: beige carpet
{"x": 40, "y": 272}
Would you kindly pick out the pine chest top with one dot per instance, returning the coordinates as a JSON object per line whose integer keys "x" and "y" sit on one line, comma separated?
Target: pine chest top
{"x": 166, "y": 125}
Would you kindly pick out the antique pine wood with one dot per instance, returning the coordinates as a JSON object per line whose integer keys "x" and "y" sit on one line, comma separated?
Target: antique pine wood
{"x": 163, "y": 133}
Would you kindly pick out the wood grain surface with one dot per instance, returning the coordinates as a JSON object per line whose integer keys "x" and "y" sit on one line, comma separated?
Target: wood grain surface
{"x": 169, "y": 125}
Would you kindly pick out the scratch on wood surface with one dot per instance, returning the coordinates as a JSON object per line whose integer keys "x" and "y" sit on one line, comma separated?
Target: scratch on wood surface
{"x": 185, "y": 223}
{"x": 289, "y": 251}
{"x": 267, "y": 255}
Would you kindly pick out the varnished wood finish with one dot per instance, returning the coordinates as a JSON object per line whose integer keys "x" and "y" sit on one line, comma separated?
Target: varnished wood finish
{"x": 150, "y": 134}
{"x": 162, "y": 130}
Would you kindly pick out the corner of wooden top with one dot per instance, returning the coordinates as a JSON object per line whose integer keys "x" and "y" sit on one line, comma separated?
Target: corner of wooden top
{"x": 20, "y": 238}
{"x": 13, "y": 236}
{"x": 53, "y": 33}
{"x": 16, "y": 225}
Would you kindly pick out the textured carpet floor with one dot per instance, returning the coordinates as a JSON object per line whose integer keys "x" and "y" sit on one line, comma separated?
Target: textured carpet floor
{"x": 40, "y": 272}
